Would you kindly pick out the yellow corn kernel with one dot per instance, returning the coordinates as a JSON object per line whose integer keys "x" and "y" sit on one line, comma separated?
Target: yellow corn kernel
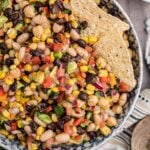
{"x": 32, "y": 1}
{"x": 49, "y": 40}
{"x": 67, "y": 35}
{"x": 9, "y": 25}
{"x": 75, "y": 46}
{"x": 13, "y": 67}
{"x": 55, "y": 89}
{"x": 71, "y": 17}
{"x": 74, "y": 24}
{"x": 92, "y": 40}
{"x": 9, "y": 79}
{"x": 27, "y": 20}
{"x": 4, "y": 132}
{"x": 33, "y": 46}
{"x": 2, "y": 74}
{"x": 90, "y": 92}
{"x": 90, "y": 87}
{"x": 85, "y": 39}
{"x": 20, "y": 124}
{"x": 51, "y": 2}
{"x": 52, "y": 57}
{"x": 33, "y": 86}
{"x": 23, "y": 143}
{"x": 103, "y": 73}
{"x": 43, "y": 37}
{"x": 54, "y": 118}
{"x": 105, "y": 131}
{"x": 6, "y": 114}
{"x": 28, "y": 67}
{"x": 16, "y": 62}
{"x": 71, "y": 82}
{"x": 84, "y": 107}
{"x": 75, "y": 93}
{"x": 11, "y": 137}
{"x": 34, "y": 146}
{"x": 112, "y": 79}
{"x": 83, "y": 68}
{"x": 40, "y": 130}
{"x": 26, "y": 79}
{"x": 37, "y": 137}
{"x": 12, "y": 33}
{"x": 47, "y": 31}
{"x": 35, "y": 39}
{"x": 28, "y": 119}
{"x": 18, "y": 92}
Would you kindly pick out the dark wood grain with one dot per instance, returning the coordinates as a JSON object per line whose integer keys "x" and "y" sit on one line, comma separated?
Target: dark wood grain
{"x": 138, "y": 12}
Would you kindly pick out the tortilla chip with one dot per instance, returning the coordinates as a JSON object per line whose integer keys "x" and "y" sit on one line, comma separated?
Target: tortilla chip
{"x": 111, "y": 45}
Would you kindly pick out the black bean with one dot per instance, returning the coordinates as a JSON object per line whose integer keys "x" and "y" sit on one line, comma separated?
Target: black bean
{"x": 92, "y": 134}
{"x": 66, "y": 58}
{"x": 66, "y": 118}
{"x": 34, "y": 127}
{"x": 61, "y": 21}
{"x": 52, "y": 126}
{"x": 36, "y": 52}
{"x": 9, "y": 61}
{"x": 55, "y": 9}
{"x": 54, "y": 96}
{"x": 14, "y": 16}
{"x": 60, "y": 4}
{"x": 81, "y": 43}
{"x": 68, "y": 26}
{"x": 29, "y": 108}
{"x": 38, "y": 5}
{"x": 57, "y": 62}
{"x": 80, "y": 130}
{"x": 83, "y": 96}
{"x": 8, "y": 12}
{"x": 60, "y": 124}
{"x": 43, "y": 105}
{"x": 84, "y": 25}
{"x": 76, "y": 58}
{"x": 90, "y": 78}
{"x": 3, "y": 48}
{"x": 13, "y": 87}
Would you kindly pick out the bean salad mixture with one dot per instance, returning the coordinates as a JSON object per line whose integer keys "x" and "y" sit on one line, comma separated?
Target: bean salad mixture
{"x": 54, "y": 89}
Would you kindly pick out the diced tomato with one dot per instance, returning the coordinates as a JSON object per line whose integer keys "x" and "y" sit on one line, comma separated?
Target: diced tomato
{"x": 104, "y": 79}
{"x": 2, "y": 92}
{"x": 68, "y": 129}
{"x": 47, "y": 59}
{"x": 78, "y": 138}
{"x": 61, "y": 88}
{"x": 36, "y": 60}
{"x": 48, "y": 82}
{"x": 48, "y": 109}
{"x": 13, "y": 126}
{"x": 92, "y": 61}
{"x": 123, "y": 87}
{"x": 21, "y": 66}
{"x": 83, "y": 75}
{"x": 88, "y": 49}
{"x": 63, "y": 39}
{"x": 78, "y": 121}
{"x": 57, "y": 46}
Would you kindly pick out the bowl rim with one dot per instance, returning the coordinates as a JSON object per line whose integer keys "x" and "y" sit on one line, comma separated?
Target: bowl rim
{"x": 140, "y": 79}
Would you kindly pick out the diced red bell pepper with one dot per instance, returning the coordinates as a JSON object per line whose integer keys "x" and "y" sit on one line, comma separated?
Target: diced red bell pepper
{"x": 13, "y": 126}
{"x": 48, "y": 109}
{"x": 92, "y": 61}
{"x": 104, "y": 79}
{"x": 2, "y": 92}
{"x": 123, "y": 87}
{"x": 47, "y": 59}
{"x": 48, "y": 82}
{"x": 68, "y": 129}
{"x": 63, "y": 39}
{"x": 78, "y": 121}
{"x": 88, "y": 49}
{"x": 78, "y": 138}
{"x": 57, "y": 46}
{"x": 36, "y": 60}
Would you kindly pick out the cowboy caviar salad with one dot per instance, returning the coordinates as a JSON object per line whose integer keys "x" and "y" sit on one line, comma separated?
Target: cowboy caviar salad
{"x": 54, "y": 89}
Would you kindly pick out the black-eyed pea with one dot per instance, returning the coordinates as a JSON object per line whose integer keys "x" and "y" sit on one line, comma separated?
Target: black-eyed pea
{"x": 29, "y": 11}
{"x": 41, "y": 45}
{"x": 21, "y": 53}
{"x": 103, "y": 102}
{"x": 117, "y": 109}
{"x": 111, "y": 121}
{"x": 72, "y": 52}
{"x": 39, "y": 122}
{"x": 82, "y": 52}
{"x": 93, "y": 100}
{"x": 39, "y": 19}
{"x": 115, "y": 97}
{"x": 16, "y": 46}
{"x": 22, "y": 3}
{"x": 91, "y": 127}
{"x": 74, "y": 34}
{"x": 9, "y": 43}
{"x": 28, "y": 130}
{"x": 57, "y": 28}
{"x": 62, "y": 138}
{"x": 23, "y": 38}
{"x": 123, "y": 99}
{"x": 46, "y": 135}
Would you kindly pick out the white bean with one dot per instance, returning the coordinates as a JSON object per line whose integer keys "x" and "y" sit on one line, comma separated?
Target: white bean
{"x": 62, "y": 138}
{"x": 29, "y": 11}
{"x": 93, "y": 100}
{"x": 91, "y": 127}
{"x": 22, "y": 53}
{"x": 14, "y": 110}
{"x": 28, "y": 130}
{"x": 57, "y": 28}
{"x": 41, "y": 45}
{"x": 46, "y": 135}
{"x": 40, "y": 19}
{"x": 82, "y": 52}
{"x": 16, "y": 46}
{"x": 22, "y": 4}
{"x": 74, "y": 35}
{"x": 23, "y": 38}
{"x": 8, "y": 43}
{"x": 38, "y": 31}
{"x": 39, "y": 122}
{"x": 72, "y": 52}
{"x": 19, "y": 1}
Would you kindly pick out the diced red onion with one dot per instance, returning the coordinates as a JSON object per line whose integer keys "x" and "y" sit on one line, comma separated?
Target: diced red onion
{"x": 98, "y": 85}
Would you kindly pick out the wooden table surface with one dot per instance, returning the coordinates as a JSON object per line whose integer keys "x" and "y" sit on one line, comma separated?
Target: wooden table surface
{"x": 138, "y": 12}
